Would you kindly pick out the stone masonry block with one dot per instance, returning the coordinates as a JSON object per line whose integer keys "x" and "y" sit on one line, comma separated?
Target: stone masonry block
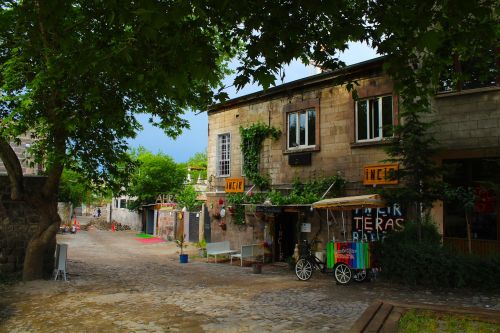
{"x": 489, "y": 123}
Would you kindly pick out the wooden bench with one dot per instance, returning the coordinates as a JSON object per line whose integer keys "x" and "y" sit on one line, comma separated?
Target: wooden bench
{"x": 249, "y": 251}
{"x": 213, "y": 249}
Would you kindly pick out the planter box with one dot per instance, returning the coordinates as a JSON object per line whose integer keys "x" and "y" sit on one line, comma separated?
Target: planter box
{"x": 183, "y": 258}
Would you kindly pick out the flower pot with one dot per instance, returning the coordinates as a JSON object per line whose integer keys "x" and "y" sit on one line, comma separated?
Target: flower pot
{"x": 257, "y": 268}
{"x": 183, "y": 258}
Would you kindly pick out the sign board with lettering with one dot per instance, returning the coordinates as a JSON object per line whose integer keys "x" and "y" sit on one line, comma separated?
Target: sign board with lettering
{"x": 369, "y": 224}
{"x": 305, "y": 227}
{"x": 380, "y": 174}
{"x": 234, "y": 185}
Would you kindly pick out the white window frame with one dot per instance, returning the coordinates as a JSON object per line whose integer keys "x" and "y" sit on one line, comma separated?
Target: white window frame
{"x": 369, "y": 118}
{"x": 219, "y": 160}
{"x": 297, "y": 128}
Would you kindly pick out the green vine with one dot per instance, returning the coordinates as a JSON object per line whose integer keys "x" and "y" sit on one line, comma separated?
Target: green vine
{"x": 301, "y": 193}
{"x": 251, "y": 146}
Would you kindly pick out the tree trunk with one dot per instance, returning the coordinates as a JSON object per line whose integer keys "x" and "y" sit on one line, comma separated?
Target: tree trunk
{"x": 39, "y": 260}
{"x": 469, "y": 238}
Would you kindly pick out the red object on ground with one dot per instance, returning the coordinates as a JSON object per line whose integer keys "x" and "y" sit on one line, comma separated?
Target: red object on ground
{"x": 113, "y": 227}
{"x": 151, "y": 240}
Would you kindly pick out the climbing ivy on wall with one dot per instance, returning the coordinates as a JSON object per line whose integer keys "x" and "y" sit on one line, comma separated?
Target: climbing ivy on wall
{"x": 251, "y": 146}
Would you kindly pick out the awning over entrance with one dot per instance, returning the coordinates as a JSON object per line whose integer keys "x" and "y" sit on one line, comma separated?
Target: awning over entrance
{"x": 349, "y": 203}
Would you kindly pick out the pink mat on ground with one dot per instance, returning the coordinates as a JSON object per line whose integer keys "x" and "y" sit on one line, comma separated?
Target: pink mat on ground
{"x": 151, "y": 240}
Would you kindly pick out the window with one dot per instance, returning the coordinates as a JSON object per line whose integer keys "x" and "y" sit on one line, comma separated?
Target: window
{"x": 224, "y": 155}
{"x": 301, "y": 129}
{"x": 123, "y": 203}
{"x": 477, "y": 174}
{"x": 374, "y": 119}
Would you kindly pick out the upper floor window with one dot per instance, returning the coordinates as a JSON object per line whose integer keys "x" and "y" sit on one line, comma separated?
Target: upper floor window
{"x": 301, "y": 129}
{"x": 224, "y": 155}
{"x": 374, "y": 119}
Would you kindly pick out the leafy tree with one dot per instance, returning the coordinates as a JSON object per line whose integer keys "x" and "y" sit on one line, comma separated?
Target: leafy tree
{"x": 155, "y": 174}
{"x": 75, "y": 73}
{"x": 422, "y": 40}
{"x": 198, "y": 164}
{"x": 73, "y": 188}
{"x": 187, "y": 198}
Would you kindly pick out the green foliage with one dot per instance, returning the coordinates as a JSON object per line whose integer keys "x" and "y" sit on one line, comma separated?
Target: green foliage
{"x": 187, "y": 198}
{"x": 198, "y": 164}
{"x": 302, "y": 193}
{"x": 156, "y": 174}
{"x": 73, "y": 188}
{"x": 406, "y": 260}
{"x": 77, "y": 189}
{"x": 202, "y": 244}
{"x": 422, "y": 41}
{"x": 463, "y": 196}
{"x": 251, "y": 145}
{"x": 309, "y": 192}
{"x": 415, "y": 321}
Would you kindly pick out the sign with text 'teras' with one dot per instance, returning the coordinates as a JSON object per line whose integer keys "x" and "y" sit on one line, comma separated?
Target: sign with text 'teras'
{"x": 234, "y": 185}
{"x": 380, "y": 174}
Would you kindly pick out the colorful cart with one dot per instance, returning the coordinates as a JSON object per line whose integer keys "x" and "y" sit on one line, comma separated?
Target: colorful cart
{"x": 349, "y": 260}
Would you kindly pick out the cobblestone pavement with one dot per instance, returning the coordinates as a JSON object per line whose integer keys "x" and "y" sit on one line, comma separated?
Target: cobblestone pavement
{"x": 120, "y": 285}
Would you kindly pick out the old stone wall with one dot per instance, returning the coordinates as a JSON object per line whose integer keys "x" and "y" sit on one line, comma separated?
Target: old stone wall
{"x": 21, "y": 151}
{"x": 18, "y": 222}
{"x": 467, "y": 120}
{"x": 337, "y": 151}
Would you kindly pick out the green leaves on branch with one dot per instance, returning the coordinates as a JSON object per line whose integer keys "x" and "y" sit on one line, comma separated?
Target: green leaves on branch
{"x": 187, "y": 198}
{"x": 156, "y": 174}
{"x": 301, "y": 193}
{"x": 252, "y": 138}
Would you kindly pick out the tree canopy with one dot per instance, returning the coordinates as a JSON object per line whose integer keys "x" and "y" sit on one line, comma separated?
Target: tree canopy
{"x": 155, "y": 174}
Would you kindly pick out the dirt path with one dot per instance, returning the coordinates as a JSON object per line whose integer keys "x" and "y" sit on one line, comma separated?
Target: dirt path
{"x": 120, "y": 285}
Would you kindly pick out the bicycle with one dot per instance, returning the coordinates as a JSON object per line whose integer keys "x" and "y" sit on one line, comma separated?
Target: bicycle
{"x": 308, "y": 262}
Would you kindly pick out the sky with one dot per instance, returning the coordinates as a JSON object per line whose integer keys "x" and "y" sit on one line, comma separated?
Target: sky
{"x": 194, "y": 140}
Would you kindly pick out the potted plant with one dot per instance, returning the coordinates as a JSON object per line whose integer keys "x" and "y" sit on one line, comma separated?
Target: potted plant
{"x": 257, "y": 268}
{"x": 202, "y": 247}
{"x": 181, "y": 243}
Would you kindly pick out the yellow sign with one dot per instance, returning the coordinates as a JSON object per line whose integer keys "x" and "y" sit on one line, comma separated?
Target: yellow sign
{"x": 234, "y": 185}
{"x": 380, "y": 174}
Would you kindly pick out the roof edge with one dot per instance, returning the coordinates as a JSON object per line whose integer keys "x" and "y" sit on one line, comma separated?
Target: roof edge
{"x": 300, "y": 83}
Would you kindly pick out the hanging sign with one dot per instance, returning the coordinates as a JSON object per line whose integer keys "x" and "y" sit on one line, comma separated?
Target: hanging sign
{"x": 380, "y": 174}
{"x": 305, "y": 227}
{"x": 234, "y": 185}
{"x": 369, "y": 224}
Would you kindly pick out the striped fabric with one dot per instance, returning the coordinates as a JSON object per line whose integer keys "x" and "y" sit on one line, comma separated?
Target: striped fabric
{"x": 356, "y": 255}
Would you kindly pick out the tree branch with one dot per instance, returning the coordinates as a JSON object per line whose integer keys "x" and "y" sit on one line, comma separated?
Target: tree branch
{"x": 14, "y": 169}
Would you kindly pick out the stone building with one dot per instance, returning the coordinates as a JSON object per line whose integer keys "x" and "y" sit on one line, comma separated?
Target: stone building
{"x": 326, "y": 132}
{"x": 22, "y": 153}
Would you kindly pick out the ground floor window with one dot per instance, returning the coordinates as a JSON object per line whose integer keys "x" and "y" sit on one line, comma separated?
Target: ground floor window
{"x": 483, "y": 177}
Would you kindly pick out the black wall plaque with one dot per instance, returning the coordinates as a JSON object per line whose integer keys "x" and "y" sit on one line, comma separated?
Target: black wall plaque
{"x": 299, "y": 159}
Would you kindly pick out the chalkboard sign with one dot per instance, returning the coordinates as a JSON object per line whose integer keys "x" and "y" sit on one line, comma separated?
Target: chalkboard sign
{"x": 61, "y": 256}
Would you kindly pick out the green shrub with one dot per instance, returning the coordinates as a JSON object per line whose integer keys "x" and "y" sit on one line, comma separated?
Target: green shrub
{"x": 403, "y": 259}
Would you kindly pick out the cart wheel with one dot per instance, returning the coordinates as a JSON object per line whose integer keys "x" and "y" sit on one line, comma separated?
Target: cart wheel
{"x": 303, "y": 269}
{"x": 342, "y": 273}
{"x": 360, "y": 275}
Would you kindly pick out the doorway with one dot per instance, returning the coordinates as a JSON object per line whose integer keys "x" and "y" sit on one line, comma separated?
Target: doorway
{"x": 285, "y": 236}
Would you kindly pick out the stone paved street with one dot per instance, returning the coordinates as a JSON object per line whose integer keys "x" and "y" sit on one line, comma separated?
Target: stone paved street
{"x": 120, "y": 285}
